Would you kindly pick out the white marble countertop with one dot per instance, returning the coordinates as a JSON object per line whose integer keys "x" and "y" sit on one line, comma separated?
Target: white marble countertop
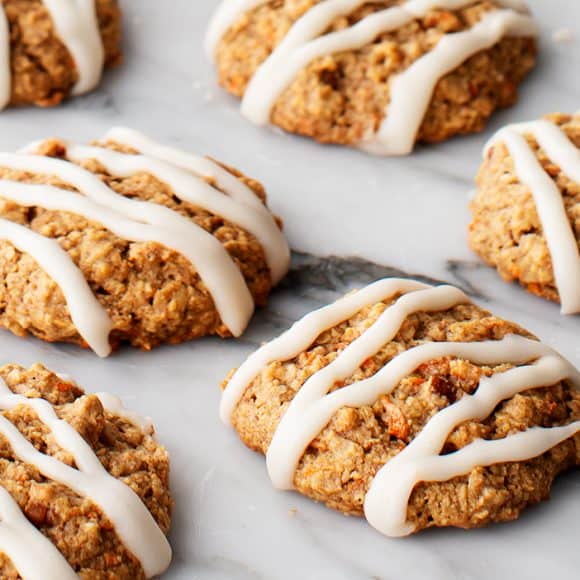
{"x": 377, "y": 216}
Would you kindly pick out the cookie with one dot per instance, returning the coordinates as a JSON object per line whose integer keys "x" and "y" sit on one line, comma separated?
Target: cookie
{"x": 411, "y": 405}
{"x": 526, "y": 211}
{"x": 379, "y": 76}
{"x": 50, "y": 49}
{"x": 84, "y": 486}
{"x": 131, "y": 241}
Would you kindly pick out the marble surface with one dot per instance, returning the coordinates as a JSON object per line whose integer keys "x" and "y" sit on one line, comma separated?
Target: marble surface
{"x": 376, "y": 217}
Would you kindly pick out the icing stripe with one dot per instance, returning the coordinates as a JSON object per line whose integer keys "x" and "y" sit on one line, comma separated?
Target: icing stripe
{"x": 215, "y": 266}
{"x": 196, "y": 191}
{"x": 304, "y": 332}
{"x": 420, "y": 460}
{"x": 19, "y": 539}
{"x": 230, "y": 11}
{"x": 199, "y": 166}
{"x": 225, "y": 16}
{"x": 411, "y": 91}
{"x": 303, "y": 44}
{"x": 114, "y": 405}
{"x": 89, "y": 317}
{"x": 558, "y": 231}
{"x": 76, "y": 24}
{"x": 5, "y": 72}
{"x": 132, "y": 521}
{"x": 311, "y": 409}
{"x": 314, "y": 404}
{"x": 296, "y": 50}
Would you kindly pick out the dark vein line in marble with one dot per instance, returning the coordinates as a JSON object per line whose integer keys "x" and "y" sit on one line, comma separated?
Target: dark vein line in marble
{"x": 339, "y": 274}
{"x": 459, "y": 270}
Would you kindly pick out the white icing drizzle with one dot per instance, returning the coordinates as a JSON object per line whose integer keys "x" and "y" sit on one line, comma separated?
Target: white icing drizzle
{"x": 304, "y": 332}
{"x": 131, "y": 519}
{"x": 225, "y": 16}
{"x": 314, "y": 405}
{"x": 5, "y": 73}
{"x": 19, "y": 539}
{"x": 144, "y": 221}
{"x": 193, "y": 189}
{"x": 76, "y": 24}
{"x": 114, "y": 405}
{"x": 87, "y": 314}
{"x": 411, "y": 91}
{"x": 199, "y": 166}
{"x": 558, "y": 230}
{"x": 420, "y": 460}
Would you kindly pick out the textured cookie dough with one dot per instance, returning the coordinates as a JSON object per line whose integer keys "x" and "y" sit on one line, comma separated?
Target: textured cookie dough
{"x": 74, "y": 524}
{"x": 339, "y": 465}
{"x": 342, "y": 98}
{"x": 152, "y": 294}
{"x": 506, "y": 230}
{"x": 43, "y": 70}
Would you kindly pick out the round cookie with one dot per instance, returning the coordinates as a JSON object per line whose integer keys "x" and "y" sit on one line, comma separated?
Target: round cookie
{"x": 50, "y": 49}
{"x": 411, "y": 405}
{"x": 131, "y": 241}
{"x": 526, "y": 211}
{"x": 380, "y": 76}
{"x": 84, "y": 486}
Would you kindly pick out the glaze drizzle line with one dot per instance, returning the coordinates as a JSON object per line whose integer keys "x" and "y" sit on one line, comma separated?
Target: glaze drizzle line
{"x": 5, "y": 74}
{"x": 411, "y": 90}
{"x": 89, "y": 317}
{"x": 132, "y": 521}
{"x": 556, "y": 225}
{"x": 19, "y": 539}
{"x": 199, "y": 166}
{"x": 214, "y": 265}
{"x": 76, "y": 24}
{"x": 141, "y": 221}
{"x": 314, "y": 405}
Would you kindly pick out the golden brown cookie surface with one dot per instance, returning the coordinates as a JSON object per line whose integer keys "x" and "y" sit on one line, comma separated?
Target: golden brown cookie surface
{"x": 341, "y": 96}
{"x": 42, "y": 68}
{"x": 508, "y": 229}
{"x": 161, "y": 260}
{"x": 68, "y": 531}
{"x": 375, "y": 385}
